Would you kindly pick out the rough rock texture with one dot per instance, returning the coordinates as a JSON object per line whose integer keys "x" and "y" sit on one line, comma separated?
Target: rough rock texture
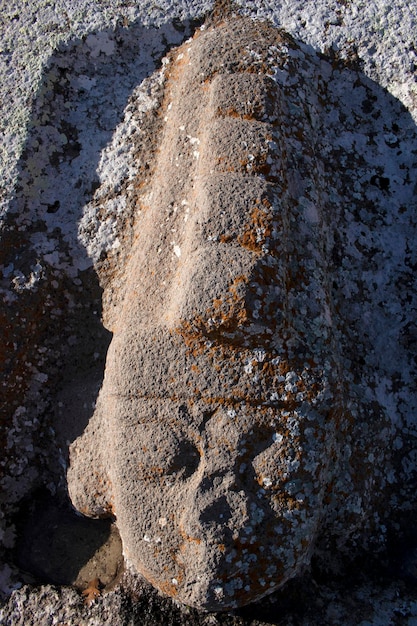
{"x": 233, "y": 429}
{"x": 216, "y": 423}
{"x": 361, "y": 603}
{"x": 85, "y": 98}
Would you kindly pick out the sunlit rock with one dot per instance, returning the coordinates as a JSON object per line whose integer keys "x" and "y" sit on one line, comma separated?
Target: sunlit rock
{"x": 231, "y": 430}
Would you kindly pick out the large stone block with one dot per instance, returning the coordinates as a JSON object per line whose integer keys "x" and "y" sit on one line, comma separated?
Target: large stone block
{"x": 222, "y": 436}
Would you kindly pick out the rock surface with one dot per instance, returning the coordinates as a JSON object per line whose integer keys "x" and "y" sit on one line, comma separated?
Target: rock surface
{"x": 232, "y": 428}
{"x": 71, "y": 70}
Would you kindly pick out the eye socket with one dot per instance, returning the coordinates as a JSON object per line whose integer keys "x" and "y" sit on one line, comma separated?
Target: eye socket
{"x": 167, "y": 456}
{"x": 258, "y": 458}
{"x": 163, "y": 450}
{"x": 184, "y": 461}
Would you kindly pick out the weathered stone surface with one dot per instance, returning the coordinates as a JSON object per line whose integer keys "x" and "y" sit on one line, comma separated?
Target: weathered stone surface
{"x": 68, "y": 70}
{"x": 230, "y": 431}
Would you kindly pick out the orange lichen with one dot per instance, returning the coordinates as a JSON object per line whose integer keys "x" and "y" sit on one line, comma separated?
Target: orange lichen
{"x": 257, "y": 230}
{"x": 187, "y": 538}
{"x": 150, "y": 473}
{"x": 92, "y": 592}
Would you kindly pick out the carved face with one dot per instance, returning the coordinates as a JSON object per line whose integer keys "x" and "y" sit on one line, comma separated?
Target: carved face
{"x": 218, "y": 411}
{"x": 218, "y": 497}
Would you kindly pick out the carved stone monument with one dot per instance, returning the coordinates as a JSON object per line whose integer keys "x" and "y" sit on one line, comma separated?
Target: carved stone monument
{"x": 227, "y": 434}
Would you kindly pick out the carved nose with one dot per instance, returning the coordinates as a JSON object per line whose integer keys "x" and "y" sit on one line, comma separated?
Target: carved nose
{"x": 213, "y": 498}
{"x": 215, "y": 484}
{"x": 211, "y": 505}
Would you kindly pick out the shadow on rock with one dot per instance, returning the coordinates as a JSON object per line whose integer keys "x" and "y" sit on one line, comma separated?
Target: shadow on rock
{"x": 58, "y": 546}
{"x": 55, "y": 345}
{"x": 53, "y": 353}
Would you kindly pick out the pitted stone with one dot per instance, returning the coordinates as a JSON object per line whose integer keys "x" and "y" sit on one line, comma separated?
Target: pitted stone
{"x": 219, "y": 436}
